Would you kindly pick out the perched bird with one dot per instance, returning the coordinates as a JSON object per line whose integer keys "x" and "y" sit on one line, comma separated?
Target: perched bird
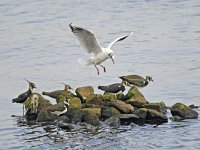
{"x": 24, "y": 96}
{"x": 55, "y": 94}
{"x": 64, "y": 110}
{"x": 90, "y": 44}
{"x": 113, "y": 88}
{"x": 135, "y": 80}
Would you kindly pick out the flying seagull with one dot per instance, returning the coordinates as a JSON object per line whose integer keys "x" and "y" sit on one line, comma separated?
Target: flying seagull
{"x": 91, "y": 45}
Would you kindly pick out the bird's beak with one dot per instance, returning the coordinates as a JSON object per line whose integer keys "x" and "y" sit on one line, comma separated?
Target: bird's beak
{"x": 112, "y": 58}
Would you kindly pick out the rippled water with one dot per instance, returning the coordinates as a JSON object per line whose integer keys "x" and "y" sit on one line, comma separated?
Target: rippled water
{"x": 37, "y": 44}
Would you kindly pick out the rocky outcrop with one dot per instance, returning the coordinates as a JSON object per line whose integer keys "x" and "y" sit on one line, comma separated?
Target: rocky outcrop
{"x": 84, "y": 92}
{"x": 183, "y": 111}
{"x": 135, "y": 97}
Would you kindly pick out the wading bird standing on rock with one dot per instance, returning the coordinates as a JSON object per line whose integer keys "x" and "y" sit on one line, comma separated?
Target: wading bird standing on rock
{"x": 89, "y": 43}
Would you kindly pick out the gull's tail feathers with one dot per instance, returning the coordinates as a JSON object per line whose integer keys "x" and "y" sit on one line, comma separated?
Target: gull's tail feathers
{"x": 85, "y": 62}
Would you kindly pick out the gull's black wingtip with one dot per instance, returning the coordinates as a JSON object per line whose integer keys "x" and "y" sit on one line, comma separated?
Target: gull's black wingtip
{"x": 70, "y": 25}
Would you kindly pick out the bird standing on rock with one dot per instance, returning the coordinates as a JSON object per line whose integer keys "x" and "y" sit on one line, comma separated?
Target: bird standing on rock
{"x": 113, "y": 88}
{"x": 91, "y": 45}
{"x": 24, "y": 96}
{"x": 135, "y": 80}
{"x": 64, "y": 110}
{"x": 55, "y": 94}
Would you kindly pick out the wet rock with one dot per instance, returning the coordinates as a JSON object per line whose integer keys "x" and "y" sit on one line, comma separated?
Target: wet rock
{"x": 65, "y": 95}
{"x": 74, "y": 115}
{"x": 121, "y": 106}
{"x": 75, "y": 103}
{"x": 127, "y": 119}
{"x": 192, "y": 106}
{"x": 45, "y": 116}
{"x": 84, "y": 92}
{"x": 183, "y": 111}
{"x": 155, "y": 117}
{"x": 31, "y": 115}
{"x": 160, "y": 107}
{"x": 135, "y": 97}
{"x": 176, "y": 118}
{"x": 91, "y": 115}
{"x": 66, "y": 126}
{"x": 141, "y": 113}
{"x": 107, "y": 112}
{"x": 113, "y": 122}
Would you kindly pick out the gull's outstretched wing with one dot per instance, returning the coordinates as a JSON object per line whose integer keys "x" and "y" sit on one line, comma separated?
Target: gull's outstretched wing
{"x": 87, "y": 39}
{"x": 118, "y": 39}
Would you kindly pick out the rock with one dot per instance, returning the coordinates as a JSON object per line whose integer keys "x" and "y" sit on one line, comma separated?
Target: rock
{"x": 109, "y": 96}
{"x": 176, "y": 118}
{"x": 183, "y": 111}
{"x": 74, "y": 115}
{"x": 56, "y": 107}
{"x": 141, "y": 113}
{"x": 127, "y": 119}
{"x": 31, "y": 115}
{"x": 135, "y": 97}
{"x": 45, "y": 116}
{"x": 36, "y": 103}
{"x": 91, "y": 115}
{"x": 75, "y": 103}
{"x": 160, "y": 107}
{"x": 192, "y": 106}
{"x": 96, "y": 99}
{"x": 155, "y": 117}
{"x": 107, "y": 112}
{"x": 65, "y": 95}
{"x": 120, "y": 96}
{"x": 84, "y": 92}
{"x": 66, "y": 126}
{"x": 113, "y": 122}
{"x": 121, "y": 106}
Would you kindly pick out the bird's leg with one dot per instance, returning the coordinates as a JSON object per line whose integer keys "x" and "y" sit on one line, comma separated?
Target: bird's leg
{"x": 97, "y": 69}
{"x": 23, "y": 109}
{"x": 104, "y": 68}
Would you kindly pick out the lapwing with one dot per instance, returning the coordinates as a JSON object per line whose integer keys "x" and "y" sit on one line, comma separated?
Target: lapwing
{"x": 113, "y": 88}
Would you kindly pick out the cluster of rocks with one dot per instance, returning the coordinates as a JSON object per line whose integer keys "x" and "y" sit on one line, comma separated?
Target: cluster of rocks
{"x": 114, "y": 109}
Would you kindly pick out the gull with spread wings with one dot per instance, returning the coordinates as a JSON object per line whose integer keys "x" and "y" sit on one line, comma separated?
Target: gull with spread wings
{"x": 89, "y": 43}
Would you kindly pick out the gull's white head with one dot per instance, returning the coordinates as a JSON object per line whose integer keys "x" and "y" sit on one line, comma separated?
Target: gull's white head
{"x": 110, "y": 54}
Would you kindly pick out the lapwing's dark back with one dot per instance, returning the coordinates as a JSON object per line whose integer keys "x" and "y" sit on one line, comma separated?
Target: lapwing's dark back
{"x": 22, "y": 97}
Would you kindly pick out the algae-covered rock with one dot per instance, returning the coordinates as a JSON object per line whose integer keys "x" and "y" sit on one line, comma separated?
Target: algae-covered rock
{"x": 45, "y": 116}
{"x": 107, "y": 112}
{"x": 135, "y": 97}
{"x": 36, "y": 103}
{"x": 120, "y": 96}
{"x": 159, "y": 106}
{"x": 183, "y": 111}
{"x": 95, "y": 99}
{"x": 141, "y": 113}
{"x": 84, "y": 92}
{"x": 126, "y": 119}
{"x": 91, "y": 115}
{"x": 75, "y": 115}
{"x": 65, "y": 95}
{"x": 121, "y": 106}
{"x": 155, "y": 117}
{"x": 109, "y": 96}
{"x": 75, "y": 103}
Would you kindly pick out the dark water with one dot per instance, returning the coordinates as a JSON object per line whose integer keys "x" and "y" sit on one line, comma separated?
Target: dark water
{"x": 37, "y": 44}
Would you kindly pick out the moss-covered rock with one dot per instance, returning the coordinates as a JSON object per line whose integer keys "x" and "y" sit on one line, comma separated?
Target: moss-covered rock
{"x": 36, "y": 102}
{"x": 91, "y": 115}
{"x": 135, "y": 97}
{"x": 109, "y": 96}
{"x": 120, "y": 96}
{"x": 65, "y": 95}
{"x": 84, "y": 92}
{"x": 183, "y": 111}
{"x": 107, "y": 112}
{"x": 95, "y": 99}
{"x": 141, "y": 113}
{"x": 159, "y": 106}
{"x": 121, "y": 106}
{"x": 155, "y": 117}
{"x": 75, "y": 103}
